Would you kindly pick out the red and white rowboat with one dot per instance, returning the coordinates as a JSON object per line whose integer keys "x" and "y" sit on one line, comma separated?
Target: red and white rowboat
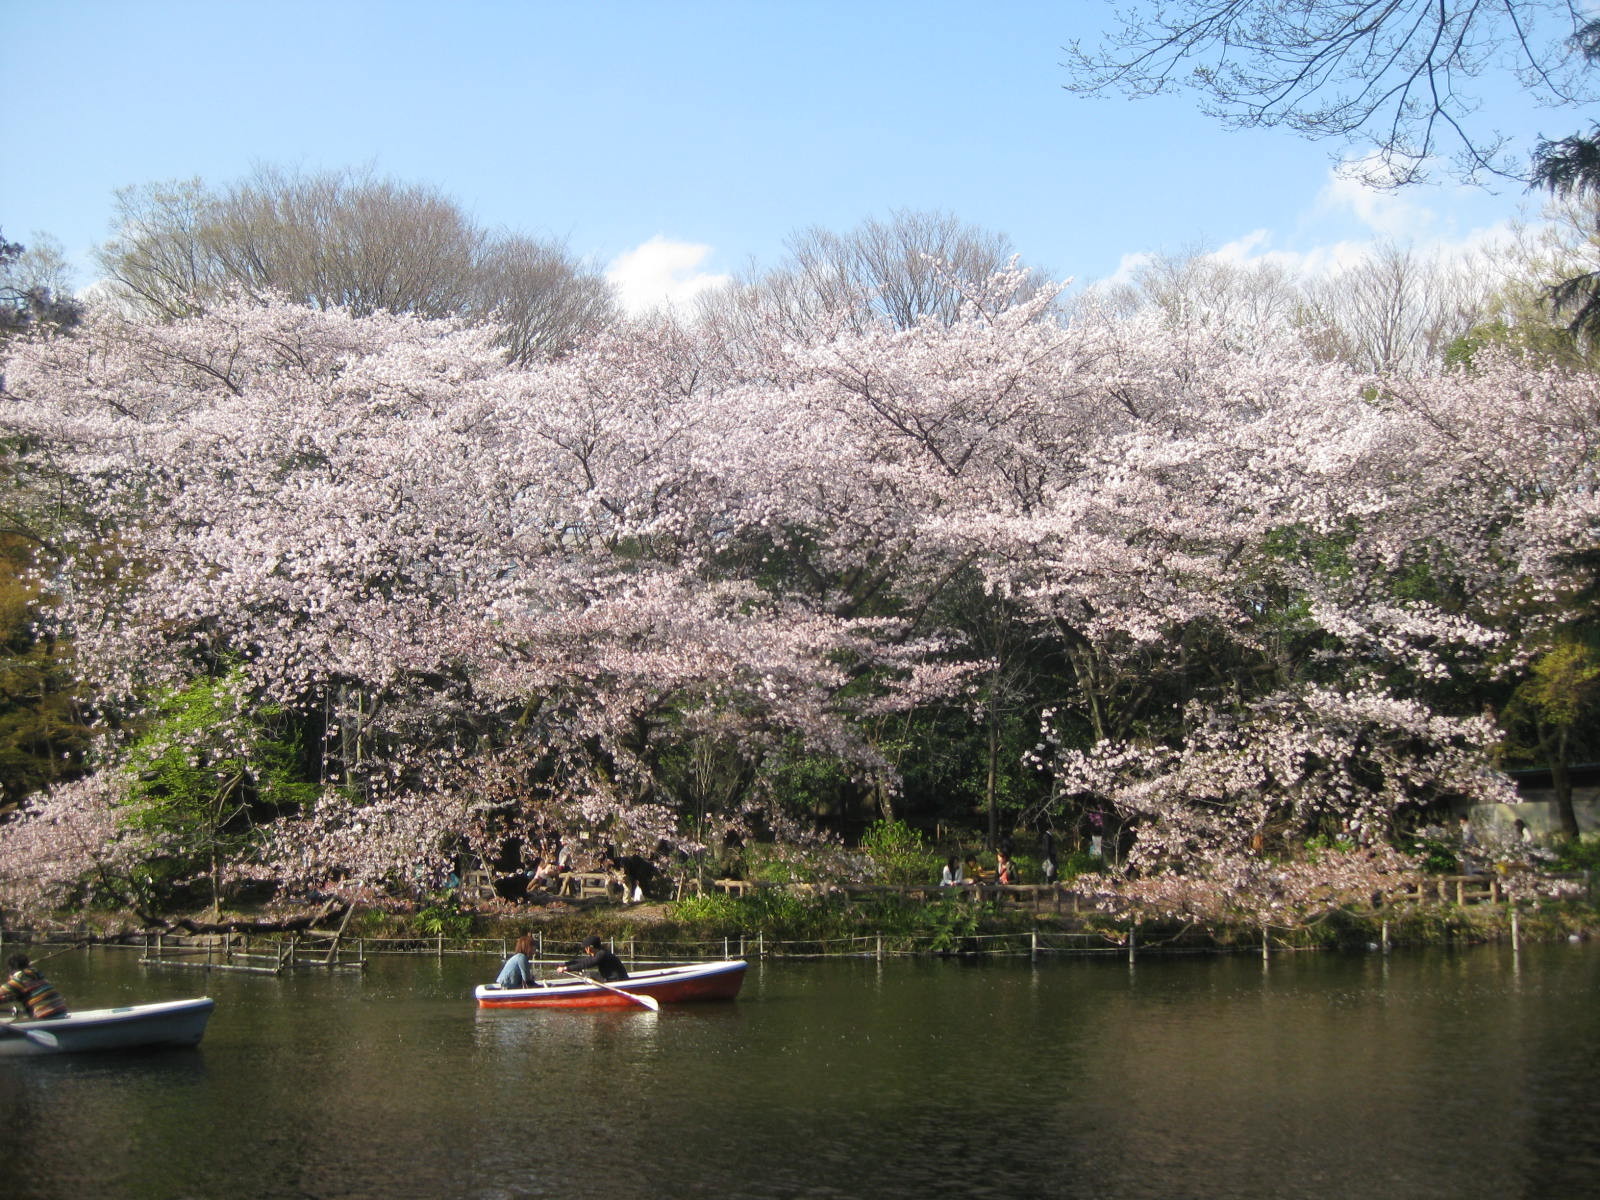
{"x": 665, "y": 985}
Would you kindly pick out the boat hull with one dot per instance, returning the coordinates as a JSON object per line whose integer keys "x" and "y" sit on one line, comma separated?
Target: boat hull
{"x": 130, "y": 1027}
{"x": 666, "y": 985}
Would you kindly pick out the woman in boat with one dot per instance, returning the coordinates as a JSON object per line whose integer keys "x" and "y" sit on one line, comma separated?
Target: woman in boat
{"x": 30, "y": 991}
{"x": 518, "y": 969}
{"x": 597, "y": 958}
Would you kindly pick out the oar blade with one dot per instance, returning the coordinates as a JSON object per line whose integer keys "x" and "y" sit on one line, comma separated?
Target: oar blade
{"x": 40, "y": 1037}
{"x": 649, "y": 1002}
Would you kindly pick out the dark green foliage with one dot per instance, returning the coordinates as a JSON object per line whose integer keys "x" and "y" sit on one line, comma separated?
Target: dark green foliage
{"x": 203, "y": 775}
{"x": 900, "y": 854}
{"x": 444, "y": 917}
{"x": 1436, "y": 855}
{"x": 1578, "y": 854}
{"x": 43, "y": 735}
{"x": 1570, "y": 166}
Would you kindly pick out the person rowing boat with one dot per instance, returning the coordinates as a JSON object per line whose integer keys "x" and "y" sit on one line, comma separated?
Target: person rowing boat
{"x": 30, "y": 991}
{"x": 597, "y": 958}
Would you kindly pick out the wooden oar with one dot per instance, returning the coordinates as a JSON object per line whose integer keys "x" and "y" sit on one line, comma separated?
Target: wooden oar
{"x": 34, "y": 962}
{"x": 42, "y": 1036}
{"x": 649, "y": 1002}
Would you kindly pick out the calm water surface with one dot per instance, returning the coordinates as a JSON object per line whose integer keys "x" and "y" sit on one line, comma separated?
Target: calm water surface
{"x": 1429, "y": 1074}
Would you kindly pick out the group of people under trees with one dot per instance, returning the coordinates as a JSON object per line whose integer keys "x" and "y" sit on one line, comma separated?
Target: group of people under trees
{"x": 957, "y": 872}
{"x": 594, "y": 955}
{"x": 542, "y": 867}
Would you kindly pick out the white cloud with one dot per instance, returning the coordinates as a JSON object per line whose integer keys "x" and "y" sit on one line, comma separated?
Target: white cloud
{"x": 1393, "y": 215}
{"x": 1349, "y": 221}
{"x": 1127, "y": 267}
{"x": 1256, "y": 249}
{"x": 1345, "y": 223}
{"x": 661, "y": 274}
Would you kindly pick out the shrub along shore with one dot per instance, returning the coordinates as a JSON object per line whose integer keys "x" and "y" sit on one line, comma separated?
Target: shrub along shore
{"x": 778, "y": 925}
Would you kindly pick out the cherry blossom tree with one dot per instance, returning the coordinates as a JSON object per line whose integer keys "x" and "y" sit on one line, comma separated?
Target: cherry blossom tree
{"x": 1277, "y": 593}
{"x": 430, "y": 556}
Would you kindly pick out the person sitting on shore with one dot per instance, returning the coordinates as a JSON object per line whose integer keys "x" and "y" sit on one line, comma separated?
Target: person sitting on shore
{"x": 952, "y": 875}
{"x": 30, "y": 991}
{"x": 1005, "y": 869}
{"x": 597, "y": 958}
{"x": 518, "y": 969}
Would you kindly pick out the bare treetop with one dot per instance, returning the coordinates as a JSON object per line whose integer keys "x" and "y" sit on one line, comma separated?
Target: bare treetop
{"x": 1403, "y": 78}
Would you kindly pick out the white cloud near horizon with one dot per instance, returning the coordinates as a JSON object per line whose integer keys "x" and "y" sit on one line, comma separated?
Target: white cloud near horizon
{"x": 661, "y": 274}
{"x": 1369, "y": 218}
{"x": 1343, "y": 226}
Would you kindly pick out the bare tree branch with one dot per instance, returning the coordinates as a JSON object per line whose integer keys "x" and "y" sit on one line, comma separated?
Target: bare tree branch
{"x": 1400, "y": 79}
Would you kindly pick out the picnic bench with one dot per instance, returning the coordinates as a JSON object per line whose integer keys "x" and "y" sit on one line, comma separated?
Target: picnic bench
{"x": 585, "y": 885}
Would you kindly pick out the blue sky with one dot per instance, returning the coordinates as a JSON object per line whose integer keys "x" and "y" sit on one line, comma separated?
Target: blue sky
{"x": 704, "y": 131}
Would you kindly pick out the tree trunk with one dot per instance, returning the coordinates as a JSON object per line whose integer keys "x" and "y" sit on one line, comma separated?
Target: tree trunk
{"x": 991, "y": 779}
{"x": 1561, "y": 785}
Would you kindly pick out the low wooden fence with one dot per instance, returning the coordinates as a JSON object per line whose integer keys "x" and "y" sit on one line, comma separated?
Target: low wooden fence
{"x": 1099, "y": 933}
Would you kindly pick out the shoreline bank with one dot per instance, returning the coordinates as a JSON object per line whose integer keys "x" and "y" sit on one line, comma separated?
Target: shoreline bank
{"x": 653, "y": 933}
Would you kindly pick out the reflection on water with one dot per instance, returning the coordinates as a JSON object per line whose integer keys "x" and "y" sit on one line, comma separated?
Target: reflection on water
{"x": 1430, "y": 1074}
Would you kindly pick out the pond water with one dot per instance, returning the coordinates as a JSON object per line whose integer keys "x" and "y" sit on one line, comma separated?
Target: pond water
{"x": 1430, "y": 1073}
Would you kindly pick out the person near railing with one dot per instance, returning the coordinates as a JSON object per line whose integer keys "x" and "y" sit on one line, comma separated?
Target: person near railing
{"x": 1005, "y": 870}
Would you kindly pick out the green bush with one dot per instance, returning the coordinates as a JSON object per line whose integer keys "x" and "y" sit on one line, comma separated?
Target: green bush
{"x": 1318, "y": 843}
{"x": 714, "y": 912}
{"x": 899, "y": 854}
{"x": 444, "y": 918}
{"x": 1080, "y": 862}
{"x": 1438, "y": 857}
{"x": 774, "y": 911}
{"x": 950, "y": 922}
{"x": 1577, "y": 854}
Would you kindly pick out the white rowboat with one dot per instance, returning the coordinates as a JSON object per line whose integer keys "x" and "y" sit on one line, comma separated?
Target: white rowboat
{"x": 130, "y": 1027}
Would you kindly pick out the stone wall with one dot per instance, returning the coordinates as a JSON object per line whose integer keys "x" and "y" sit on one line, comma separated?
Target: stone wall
{"x": 1538, "y": 810}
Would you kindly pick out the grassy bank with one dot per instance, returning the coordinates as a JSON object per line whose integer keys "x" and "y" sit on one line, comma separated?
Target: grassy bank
{"x": 777, "y": 923}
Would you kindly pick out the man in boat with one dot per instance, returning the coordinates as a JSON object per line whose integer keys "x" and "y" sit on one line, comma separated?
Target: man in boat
{"x": 598, "y": 959}
{"x": 30, "y": 991}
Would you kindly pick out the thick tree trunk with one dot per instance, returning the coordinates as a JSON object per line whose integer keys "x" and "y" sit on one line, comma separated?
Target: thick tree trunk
{"x": 1561, "y": 785}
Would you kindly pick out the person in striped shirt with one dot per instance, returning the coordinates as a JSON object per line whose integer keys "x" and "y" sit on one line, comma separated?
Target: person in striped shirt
{"x": 28, "y": 990}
